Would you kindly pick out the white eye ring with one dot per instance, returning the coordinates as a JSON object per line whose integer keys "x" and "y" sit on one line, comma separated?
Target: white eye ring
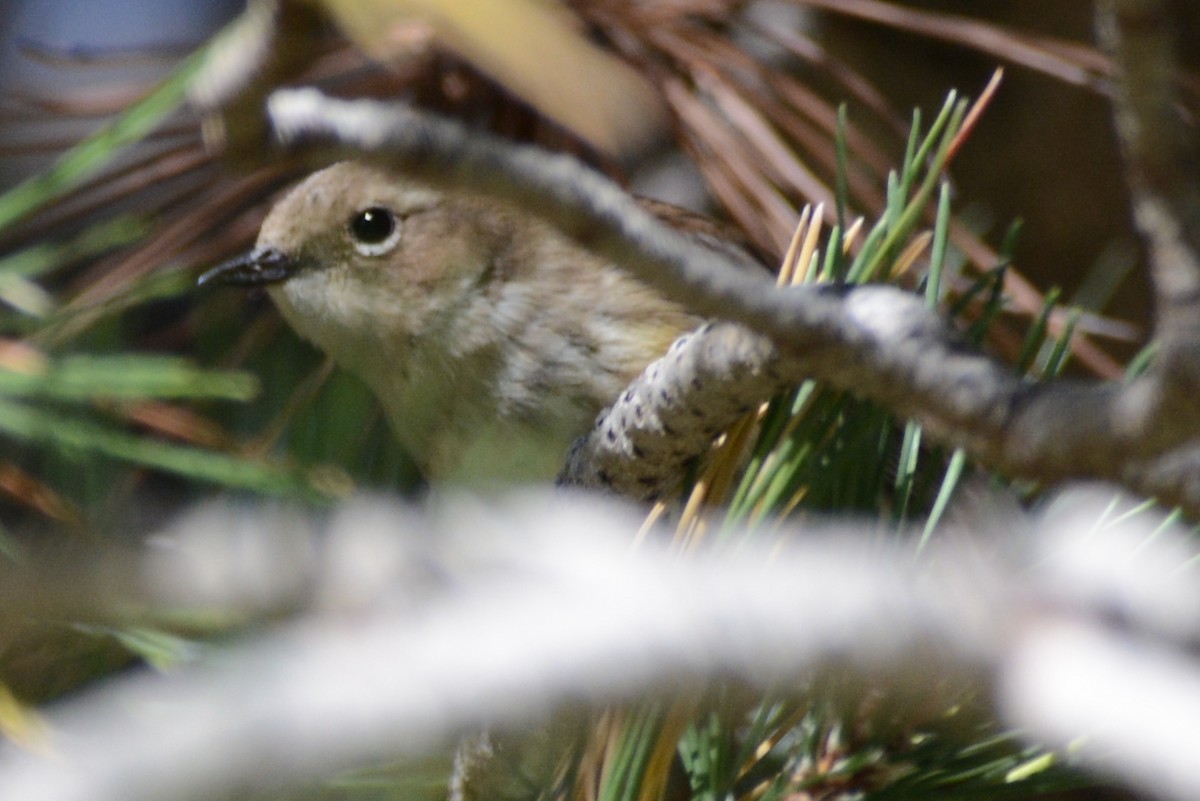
{"x": 374, "y": 231}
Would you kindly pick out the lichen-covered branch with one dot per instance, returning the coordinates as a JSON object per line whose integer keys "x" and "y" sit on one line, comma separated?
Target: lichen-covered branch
{"x": 641, "y": 445}
{"x": 877, "y": 341}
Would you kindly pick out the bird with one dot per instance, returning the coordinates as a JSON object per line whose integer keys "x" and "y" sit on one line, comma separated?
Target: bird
{"x": 490, "y": 338}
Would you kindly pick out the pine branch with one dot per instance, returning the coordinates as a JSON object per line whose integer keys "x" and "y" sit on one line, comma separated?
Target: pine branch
{"x": 640, "y": 446}
{"x": 412, "y": 627}
{"x": 879, "y": 342}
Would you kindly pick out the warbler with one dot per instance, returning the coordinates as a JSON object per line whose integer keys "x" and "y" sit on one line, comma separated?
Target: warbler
{"x": 491, "y": 339}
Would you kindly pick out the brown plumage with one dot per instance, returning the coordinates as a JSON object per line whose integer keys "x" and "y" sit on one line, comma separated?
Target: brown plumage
{"x": 491, "y": 339}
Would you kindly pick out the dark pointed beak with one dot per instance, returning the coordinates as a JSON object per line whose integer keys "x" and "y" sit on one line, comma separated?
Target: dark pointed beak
{"x": 259, "y": 267}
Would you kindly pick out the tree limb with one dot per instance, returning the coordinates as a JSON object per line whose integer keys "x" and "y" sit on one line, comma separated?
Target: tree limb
{"x": 1163, "y": 173}
{"x": 877, "y": 341}
{"x": 414, "y": 626}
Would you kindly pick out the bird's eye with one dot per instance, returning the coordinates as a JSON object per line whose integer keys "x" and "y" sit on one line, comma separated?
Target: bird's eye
{"x": 375, "y": 230}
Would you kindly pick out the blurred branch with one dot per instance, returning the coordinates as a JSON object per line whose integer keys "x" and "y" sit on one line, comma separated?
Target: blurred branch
{"x": 1163, "y": 172}
{"x": 422, "y": 626}
{"x": 274, "y": 40}
{"x": 266, "y": 46}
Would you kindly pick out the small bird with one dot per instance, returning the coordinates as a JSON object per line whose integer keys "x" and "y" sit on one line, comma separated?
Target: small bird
{"x": 490, "y": 338}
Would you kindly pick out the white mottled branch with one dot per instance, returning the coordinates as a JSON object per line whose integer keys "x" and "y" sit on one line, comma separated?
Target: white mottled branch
{"x": 414, "y": 627}
{"x": 879, "y": 342}
{"x": 640, "y": 445}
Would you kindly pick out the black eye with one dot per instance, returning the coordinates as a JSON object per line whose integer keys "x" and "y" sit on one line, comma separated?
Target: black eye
{"x": 372, "y": 226}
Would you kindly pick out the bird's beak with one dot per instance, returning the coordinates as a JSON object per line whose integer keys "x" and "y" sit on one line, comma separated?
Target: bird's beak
{"x": 259, "y": 267}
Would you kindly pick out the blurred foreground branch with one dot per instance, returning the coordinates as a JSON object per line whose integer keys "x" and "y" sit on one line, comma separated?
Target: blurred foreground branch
{"x": 417, "y": 627}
